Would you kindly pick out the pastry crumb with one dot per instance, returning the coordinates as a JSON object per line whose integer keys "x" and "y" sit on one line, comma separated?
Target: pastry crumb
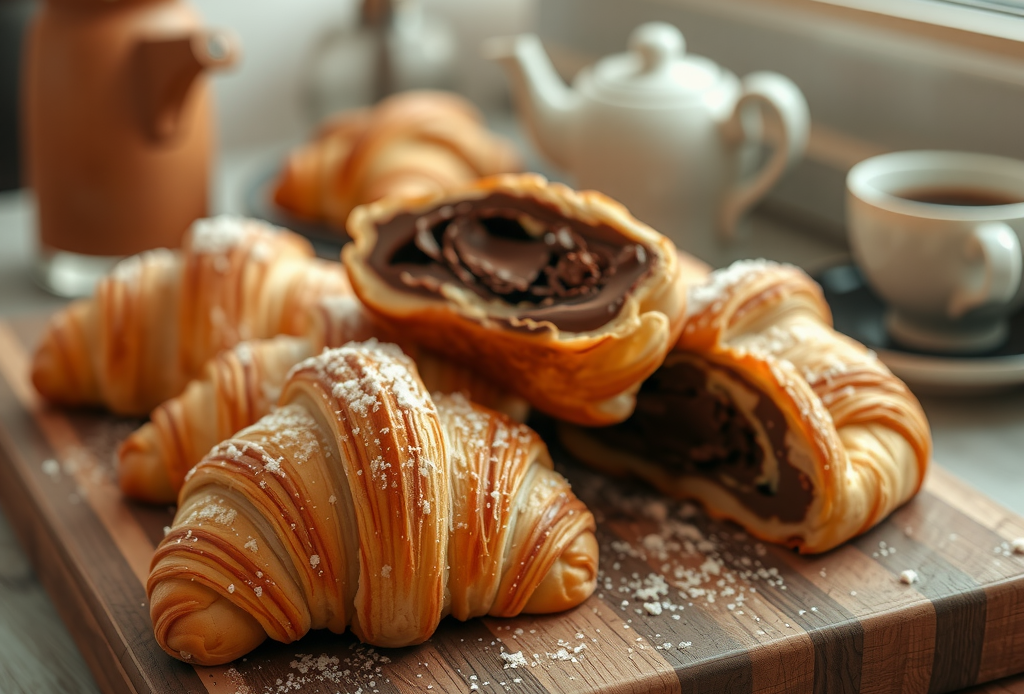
{"x": 653, "y": 608}
{"x": 1018, "y": 545}
{"x": 908, "y": 576}
{"x": 514, "y": 660}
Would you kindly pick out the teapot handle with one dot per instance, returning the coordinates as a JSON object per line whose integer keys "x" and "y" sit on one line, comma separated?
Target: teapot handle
{"x": 787, "y": 126}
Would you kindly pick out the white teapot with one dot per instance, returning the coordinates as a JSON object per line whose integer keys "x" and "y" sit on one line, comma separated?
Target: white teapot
{"x": 671, "y": 136}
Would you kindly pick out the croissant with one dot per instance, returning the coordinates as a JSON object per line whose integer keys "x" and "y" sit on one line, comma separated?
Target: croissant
{"x": 559, "y": 296}
{"x": 242, "y": 384}
{"x": 770, "y": 417}
{"x": 413, "y": 143}
{"x": 362, "y": 502}
{"x": 158, "y": 318}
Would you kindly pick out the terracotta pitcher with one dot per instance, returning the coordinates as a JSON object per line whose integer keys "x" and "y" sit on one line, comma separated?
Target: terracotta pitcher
{"x": 117, "y": 122}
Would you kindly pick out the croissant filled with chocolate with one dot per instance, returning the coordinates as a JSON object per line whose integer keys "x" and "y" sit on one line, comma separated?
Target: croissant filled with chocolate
{"x": 560, "y": 296}
{"x": 156, "y": 320}
{"x": 364, "y": 503}
{"x": 242, "y": 384}
{"x": 770, "y": 417}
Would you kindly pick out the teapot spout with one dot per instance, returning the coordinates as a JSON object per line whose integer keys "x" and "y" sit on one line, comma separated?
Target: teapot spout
{"x": 166, "y": 68}
{"x": 545, "y": 104}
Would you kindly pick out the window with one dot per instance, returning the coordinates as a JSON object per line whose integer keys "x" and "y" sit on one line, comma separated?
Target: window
{"x": 879, "y": 75}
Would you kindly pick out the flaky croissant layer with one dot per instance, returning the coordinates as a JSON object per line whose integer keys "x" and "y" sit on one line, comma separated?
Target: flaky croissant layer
{"x": 362, "y": 502}
{"x": 242, "y": 384}
{"x": 158, "y": 318}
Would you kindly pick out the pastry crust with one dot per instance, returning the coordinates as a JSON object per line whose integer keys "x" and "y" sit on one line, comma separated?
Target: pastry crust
{"x": 158, "y": 318}
{"x": 411, "y": 143}
{"x": 242, "y": 384}
{"x": 758, "y": 346}
{"x": 363, "y": 503}
{"x": 585, "y": 376}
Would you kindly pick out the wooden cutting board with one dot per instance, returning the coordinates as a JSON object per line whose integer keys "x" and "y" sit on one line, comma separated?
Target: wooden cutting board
{"x": 683, "y": 603}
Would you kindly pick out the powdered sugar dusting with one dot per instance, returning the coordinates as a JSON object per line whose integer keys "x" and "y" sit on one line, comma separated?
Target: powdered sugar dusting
{"x": 217, "y": 234}
{"x": 289, "y": 428}
{"x": 720, "y": 283}
{"x": 359, "y": 672}
{"x": 363, "y": 373}
{"x": 211, "y": 508}
{"x": 130, "y": 270}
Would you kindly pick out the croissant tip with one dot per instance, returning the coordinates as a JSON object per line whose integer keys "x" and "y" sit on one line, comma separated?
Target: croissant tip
{"x": 298, "y": 183}
{"x": 203, "y": 628}
{"x": 53, "y": 374}
{"x": 570, "y": 581}
{"x": 61, "y": 368}
{"x": 142, "y": 472}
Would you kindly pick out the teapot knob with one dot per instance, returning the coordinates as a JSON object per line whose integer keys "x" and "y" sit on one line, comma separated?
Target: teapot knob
{"x": 658, "y": 44}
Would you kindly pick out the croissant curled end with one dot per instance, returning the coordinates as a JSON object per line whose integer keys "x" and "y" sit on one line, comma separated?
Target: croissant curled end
{"x": 142, "y": 470}
{"x": 61, "y": 370}
{"x": 571, "y": 579}
{"x": 199, "y": 626}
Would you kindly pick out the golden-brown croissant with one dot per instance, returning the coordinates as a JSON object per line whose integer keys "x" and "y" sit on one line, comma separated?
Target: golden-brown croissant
{"x": 158, "y": 318}
{"x": 559, "y": 296}
{"x": 362, "y": 502}
{"x": 770, "y": 417}
{"x": 242, "y": 384}
{"x": 413, "y": 143}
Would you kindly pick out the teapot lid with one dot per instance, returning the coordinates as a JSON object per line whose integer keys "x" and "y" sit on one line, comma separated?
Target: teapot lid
{"x": 656, "y": 69}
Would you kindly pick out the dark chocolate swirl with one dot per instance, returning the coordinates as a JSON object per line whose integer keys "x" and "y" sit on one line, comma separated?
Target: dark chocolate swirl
{"x": 558, "y": 270}
{"x": 683, "y": 425}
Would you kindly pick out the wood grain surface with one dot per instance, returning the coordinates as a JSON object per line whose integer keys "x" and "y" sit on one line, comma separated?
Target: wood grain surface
{"x": 683, "y": 603}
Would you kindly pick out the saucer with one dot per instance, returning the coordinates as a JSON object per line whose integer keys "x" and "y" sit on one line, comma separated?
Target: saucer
{"x": 259, "y": 203}
{"x": 859, "y": 313}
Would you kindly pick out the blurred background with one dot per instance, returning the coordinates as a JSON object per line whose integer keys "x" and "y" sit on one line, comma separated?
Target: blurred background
{"x": 877, "y": 75}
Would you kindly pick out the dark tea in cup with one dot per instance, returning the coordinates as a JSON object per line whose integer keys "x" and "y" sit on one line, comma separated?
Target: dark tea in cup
{"x": 959, "y": 197}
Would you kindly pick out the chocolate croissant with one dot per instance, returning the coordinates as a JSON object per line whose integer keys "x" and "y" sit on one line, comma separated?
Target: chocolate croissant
{"x": 363, "y": 503}
{"x": 241, "y": 384}
{"x": 560, "y": 296}
{"x": 413, "y": 143}
{"x": 770, "y": 417}
{"x": 158, "y": 317}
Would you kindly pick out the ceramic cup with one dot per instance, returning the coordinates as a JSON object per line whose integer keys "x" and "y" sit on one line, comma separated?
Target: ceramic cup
{"x": 938, "y": 237}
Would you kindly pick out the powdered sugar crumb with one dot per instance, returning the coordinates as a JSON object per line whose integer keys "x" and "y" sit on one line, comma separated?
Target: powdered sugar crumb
{"x": 359, "y": 672}
{"x": 513, "y": 660}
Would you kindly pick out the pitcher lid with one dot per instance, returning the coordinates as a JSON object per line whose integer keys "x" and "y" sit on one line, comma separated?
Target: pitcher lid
{"x": 655, "y": 70}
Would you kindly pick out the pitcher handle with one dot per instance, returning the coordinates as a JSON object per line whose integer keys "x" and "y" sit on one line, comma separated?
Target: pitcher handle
{"x": 787, "y": 124}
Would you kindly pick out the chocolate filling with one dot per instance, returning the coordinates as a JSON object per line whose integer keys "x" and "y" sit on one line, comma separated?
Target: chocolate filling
{"x": 520, "y": 251}
{"x": 680, "y": 424}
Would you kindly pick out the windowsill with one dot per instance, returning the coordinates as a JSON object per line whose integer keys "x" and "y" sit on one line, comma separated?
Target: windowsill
{"x": 967, "y": 27}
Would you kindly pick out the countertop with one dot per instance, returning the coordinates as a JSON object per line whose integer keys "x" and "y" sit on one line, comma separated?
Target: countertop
{"x": 979, "y": 439}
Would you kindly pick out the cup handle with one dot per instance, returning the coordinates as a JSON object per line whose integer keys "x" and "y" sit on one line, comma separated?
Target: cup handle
{"x": 997, "y": 246}
{"x": 787, "y": 122}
